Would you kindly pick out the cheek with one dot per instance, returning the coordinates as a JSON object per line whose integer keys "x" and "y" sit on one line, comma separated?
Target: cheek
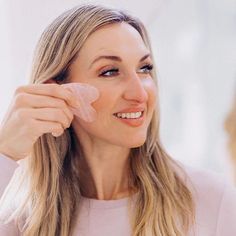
{"x": 105, "y": 101}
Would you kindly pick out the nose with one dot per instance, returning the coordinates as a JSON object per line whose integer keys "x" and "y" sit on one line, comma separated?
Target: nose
{"x": 135, "y": 89}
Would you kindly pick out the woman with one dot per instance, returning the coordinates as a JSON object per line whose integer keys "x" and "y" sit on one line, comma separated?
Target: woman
{"x": 109, "y": 175}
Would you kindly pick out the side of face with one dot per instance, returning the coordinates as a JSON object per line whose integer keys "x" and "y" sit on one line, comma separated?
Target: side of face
{"x": 115, "y": 60}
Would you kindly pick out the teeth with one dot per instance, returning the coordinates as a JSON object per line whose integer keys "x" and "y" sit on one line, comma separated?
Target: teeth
{"x": 133, "y": 115}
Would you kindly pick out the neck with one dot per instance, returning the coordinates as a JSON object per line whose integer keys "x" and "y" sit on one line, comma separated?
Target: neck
{"x": 105, "y": 175}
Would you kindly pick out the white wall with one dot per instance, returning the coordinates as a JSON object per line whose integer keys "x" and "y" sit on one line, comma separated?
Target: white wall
{"x": 196, "y": 53}
{"x": 195, "y": 50}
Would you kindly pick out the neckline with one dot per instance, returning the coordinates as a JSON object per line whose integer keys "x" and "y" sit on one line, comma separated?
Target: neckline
{"x": 105, "y": 204}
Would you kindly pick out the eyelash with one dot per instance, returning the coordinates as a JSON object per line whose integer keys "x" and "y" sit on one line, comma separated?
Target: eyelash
{"x": 149, "y": 67}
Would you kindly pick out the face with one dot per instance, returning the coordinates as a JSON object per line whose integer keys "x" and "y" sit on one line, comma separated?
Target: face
{"x": 115, "y": 60}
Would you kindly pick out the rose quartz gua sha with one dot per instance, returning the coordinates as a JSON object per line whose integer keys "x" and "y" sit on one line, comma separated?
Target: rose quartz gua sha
{"x": 86, "y": 94}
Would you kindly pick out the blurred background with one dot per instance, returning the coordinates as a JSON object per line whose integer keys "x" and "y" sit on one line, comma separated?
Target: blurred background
{"x": 194, "y": 43}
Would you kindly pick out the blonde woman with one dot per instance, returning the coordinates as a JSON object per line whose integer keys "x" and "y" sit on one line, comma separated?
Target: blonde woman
{"x": 105, "y": 173}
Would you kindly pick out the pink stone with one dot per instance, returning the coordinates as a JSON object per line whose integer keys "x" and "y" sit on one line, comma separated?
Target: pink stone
{"x": 86, "y": 95}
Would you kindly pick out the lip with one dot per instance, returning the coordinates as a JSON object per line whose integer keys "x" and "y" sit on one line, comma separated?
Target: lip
{"x": 131, "y": 109}
{"x": 135, "y": 122}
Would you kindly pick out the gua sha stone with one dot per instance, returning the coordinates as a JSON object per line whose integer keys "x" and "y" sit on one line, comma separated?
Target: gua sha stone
{"x": 86, "y": 94}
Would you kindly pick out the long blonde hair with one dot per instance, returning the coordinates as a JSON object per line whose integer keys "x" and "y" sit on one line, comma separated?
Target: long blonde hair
{"x": 164, "y": 204}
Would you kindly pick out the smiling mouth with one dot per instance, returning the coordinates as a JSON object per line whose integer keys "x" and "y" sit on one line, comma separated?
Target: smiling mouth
{"x": 129, "y": 115}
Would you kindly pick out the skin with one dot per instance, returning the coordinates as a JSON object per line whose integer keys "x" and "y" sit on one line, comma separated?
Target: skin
{"x": 107, "y": 141}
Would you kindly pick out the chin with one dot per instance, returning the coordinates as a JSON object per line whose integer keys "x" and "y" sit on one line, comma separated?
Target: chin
{"x": 136, "y": 144}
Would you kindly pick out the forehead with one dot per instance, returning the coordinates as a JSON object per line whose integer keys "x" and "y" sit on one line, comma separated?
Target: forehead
{"x": 120, "y": 38}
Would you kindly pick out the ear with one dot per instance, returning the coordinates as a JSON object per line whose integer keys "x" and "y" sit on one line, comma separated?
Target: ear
{"x": 59, "y": 79}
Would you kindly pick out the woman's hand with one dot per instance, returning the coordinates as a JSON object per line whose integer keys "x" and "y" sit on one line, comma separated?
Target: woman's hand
{"x": 35, "y": 110}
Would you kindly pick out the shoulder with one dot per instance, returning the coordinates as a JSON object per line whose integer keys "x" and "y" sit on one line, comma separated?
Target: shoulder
{"x": 215, "y": 201}
{"x": 205, "y": 182}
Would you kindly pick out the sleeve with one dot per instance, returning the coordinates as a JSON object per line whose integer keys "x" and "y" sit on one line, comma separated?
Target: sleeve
{"x": 9, "y": 229}
{"x": 226, "y": 224}
{"x": 7, "y": 169}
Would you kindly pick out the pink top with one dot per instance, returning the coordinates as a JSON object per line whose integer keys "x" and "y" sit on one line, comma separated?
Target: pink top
{"x": 215, "y": 208}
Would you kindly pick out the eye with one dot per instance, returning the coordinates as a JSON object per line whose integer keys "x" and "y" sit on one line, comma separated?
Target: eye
{"x": 146, "y": 69}
{"x": 110, "y": 72}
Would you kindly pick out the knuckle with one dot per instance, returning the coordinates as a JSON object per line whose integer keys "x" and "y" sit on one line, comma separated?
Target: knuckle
{"x": 19, "y": 89}
{"x": 20, "y": 98}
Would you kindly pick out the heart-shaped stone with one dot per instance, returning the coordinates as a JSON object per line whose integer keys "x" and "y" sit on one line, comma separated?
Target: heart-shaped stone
{"x": 86, "y": 95}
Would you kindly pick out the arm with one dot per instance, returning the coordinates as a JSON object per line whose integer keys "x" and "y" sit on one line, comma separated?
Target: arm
{"x": 7, "y": 169}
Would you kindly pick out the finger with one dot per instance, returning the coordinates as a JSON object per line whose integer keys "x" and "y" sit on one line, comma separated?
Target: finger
{"x": 51, "y": 114}
{"x": 44, "y": 114}
{"x": 39, "y": 101}
{"x": 44, "y": 127}
{"x": 52, "y": 90}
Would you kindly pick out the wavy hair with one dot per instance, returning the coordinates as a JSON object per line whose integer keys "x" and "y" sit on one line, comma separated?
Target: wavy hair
{"x": 50, "y": 202}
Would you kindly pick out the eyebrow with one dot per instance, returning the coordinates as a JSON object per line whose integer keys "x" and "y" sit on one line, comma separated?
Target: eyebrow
{"x": 115, "y": 58}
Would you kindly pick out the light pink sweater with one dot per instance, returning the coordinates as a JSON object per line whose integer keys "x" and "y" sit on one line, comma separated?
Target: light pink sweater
{"x": 215, "y": 208}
